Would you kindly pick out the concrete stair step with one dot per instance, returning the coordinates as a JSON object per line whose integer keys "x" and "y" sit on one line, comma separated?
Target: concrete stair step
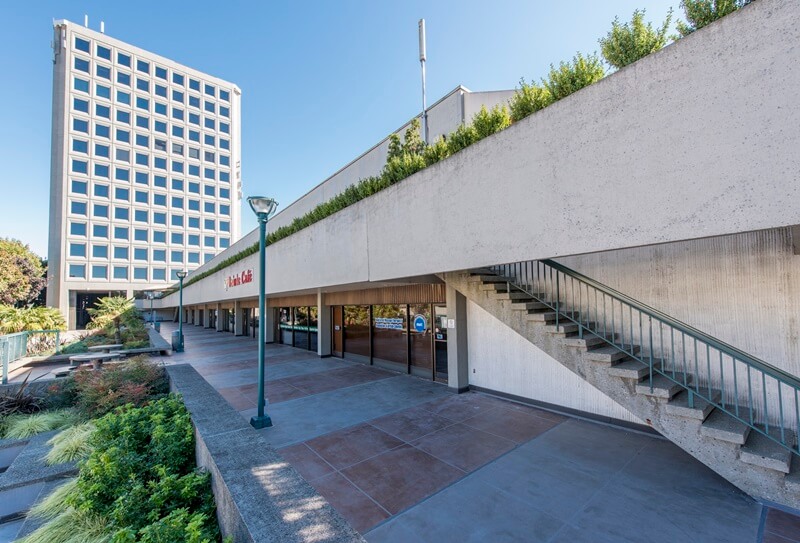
{"x": 561, "y": 329}
{"x": 487, "y": 279}
{"x": 588, "y": 341}
{"x": 724, "y": 427}
{"x": 679, "y": 406}
{"x": 663, "y": 388}
{"x": 759, "y": 450}
{"x": 495, "y": 286}
{"x": 514, "y": 296}
{"x": 548, "y": 316}
{"x": 607, "y": 355}
{"x": 529, "y": 306}
{"x": 629, "y": 369}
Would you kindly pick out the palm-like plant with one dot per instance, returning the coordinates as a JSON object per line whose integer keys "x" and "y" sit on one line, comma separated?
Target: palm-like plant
{"x": 19, "y": 319}
{"x": 112, "y": 311}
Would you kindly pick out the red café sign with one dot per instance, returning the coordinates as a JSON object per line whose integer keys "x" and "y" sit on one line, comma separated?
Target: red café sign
{"x": 246, "y": 276}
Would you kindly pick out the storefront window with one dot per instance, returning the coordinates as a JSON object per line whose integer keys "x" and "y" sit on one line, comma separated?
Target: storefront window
{"x": 390, "y": 335}
{"x": 421, "y": 340}
{"x": 356, "y": 332}
{"x": 301, "y": 327}
{"x": 285, "y": 325}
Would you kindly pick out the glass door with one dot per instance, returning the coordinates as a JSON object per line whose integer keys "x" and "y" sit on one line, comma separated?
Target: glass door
{"x": 440, "y": 340}
{"x": 421, "y": 340}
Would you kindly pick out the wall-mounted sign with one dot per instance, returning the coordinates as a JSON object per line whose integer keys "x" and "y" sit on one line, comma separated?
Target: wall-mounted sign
{"x": 393, "y": 323}
{"x": 246, "y": 276}
{"x": 420, "y": 323}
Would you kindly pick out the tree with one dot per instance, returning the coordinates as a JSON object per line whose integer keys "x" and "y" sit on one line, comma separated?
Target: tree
{"x": 626, "y": 43}
{"x": 19, "y": 319}
{"x": 111, "y": 313}
{"x": 21, "y": 273}
{"x": 700, "y": 13}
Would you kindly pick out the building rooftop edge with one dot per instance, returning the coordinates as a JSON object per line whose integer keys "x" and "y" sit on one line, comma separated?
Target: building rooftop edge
{"x": 126, "y": 45}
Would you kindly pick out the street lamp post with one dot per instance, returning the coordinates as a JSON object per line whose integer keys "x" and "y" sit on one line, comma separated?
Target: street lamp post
{"x": 263, "y": 207}
{"x": 150, "y": 296}
{"x": 179, "y": 347}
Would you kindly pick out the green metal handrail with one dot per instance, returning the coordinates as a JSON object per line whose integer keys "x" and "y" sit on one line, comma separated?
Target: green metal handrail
{"x": 584, "y": 301}
{"x": 14, "y": 347}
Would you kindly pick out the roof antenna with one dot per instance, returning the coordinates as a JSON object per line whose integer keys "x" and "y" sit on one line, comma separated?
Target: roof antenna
{"x": 86, "y": 21}
{"x": 102, "y": 27}
{"x": 422, "y": 58}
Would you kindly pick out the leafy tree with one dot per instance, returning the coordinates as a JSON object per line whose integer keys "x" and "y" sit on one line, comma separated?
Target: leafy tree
{"x": 700, "y": 13}
{"x": 572, "y": 76}
{"x": 628, "y": 42}
{"x": 529, "y": 99}
{"x": 111, "y": 313}
{"x": 21, "y": 273}
{"x": 395, "y": 147}
{"x": 413, "y": 143}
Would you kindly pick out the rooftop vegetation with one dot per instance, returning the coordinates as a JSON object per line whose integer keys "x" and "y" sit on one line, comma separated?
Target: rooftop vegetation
{"x": 624, "y": 44}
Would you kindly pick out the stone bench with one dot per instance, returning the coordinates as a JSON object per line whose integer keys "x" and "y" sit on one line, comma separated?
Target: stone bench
{"x": 96, "y": 359}
{"x": 105, "y": 348}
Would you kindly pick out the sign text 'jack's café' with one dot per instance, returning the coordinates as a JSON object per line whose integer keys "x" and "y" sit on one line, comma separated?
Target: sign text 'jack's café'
{"x": 237, "y": 279}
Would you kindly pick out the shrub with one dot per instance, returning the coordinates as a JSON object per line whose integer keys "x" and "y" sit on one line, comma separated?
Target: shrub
{"x": 23, "y": 426}
{"x": 398, "y": 168}
{"x": 436, "y": 152}
{"x": 487, "y": 122}
{"x": 19, "y": 319}
{"x": 528, "y": 99}
{"x": 628, "y": 42}
{"x": 700, "y": 13}
{"x": 131, "y": 382}
{"x": 111, "y": 313}
{"x": 572, "y": 76}
{"x": 464, "y": 136}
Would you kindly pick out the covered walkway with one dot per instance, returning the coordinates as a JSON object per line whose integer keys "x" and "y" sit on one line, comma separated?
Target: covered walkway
{"x": 404, "y": 459}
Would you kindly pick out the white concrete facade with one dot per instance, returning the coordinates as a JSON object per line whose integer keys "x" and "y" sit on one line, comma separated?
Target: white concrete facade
{"x": 146, "y": 167}
{"x": 667, "y": 181}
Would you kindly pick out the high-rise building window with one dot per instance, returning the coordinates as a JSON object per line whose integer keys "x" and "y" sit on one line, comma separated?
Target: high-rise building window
{"x": 77, "y": 271}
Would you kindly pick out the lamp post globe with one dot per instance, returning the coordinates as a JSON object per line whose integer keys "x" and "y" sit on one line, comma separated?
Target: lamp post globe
{"x": 263, "y": 207}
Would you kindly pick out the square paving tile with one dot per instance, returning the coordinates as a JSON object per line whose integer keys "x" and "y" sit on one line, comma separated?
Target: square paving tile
{"x": 411, "y": 424}
{"x": 460, "y": 407}
{"x": 352, "y": 445}
{"x": 782, "y": 524}
{"x": 279, "y": 391}
{"x": 516, "y": 425}
{"x": 402, "y": 477}
{"x": 464, "y": 447}
{"x": 307, "y": 462}
{"x": 361, "y": 512}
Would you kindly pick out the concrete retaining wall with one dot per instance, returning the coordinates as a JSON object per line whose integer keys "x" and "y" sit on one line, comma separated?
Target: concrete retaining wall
{"x": 260, "y": 497}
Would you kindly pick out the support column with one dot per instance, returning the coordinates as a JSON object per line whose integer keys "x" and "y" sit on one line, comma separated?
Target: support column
{"x": 457, "y": 355}
{"x": 323, "y": 326}
{"x": 238, "y": 320}
{"x": 206, "y": 316}
{"x": 218, "y": 308}
{"x": 268, "y": 320}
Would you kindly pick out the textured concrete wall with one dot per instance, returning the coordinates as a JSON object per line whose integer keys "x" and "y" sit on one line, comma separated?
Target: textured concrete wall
{"x": 743, "y": 289}
{"x": 502, "y": 360}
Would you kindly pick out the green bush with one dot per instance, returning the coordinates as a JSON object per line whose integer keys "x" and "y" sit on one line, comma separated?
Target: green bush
{"x": 138, "y": 483}
{"x": 628, "y": 42}
{"x": 19, "y": 319}
{"x": 700, "y": 13}
{"x": 572, "y": 76}
{"x": 529, "y": 99}
{"x": 487, "y": 122}
{"x": 464, "y": 136}
{"x": 436, "y": 152}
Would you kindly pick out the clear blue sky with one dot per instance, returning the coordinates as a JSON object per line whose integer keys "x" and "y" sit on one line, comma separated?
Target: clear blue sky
{"x": 321, "y": 81}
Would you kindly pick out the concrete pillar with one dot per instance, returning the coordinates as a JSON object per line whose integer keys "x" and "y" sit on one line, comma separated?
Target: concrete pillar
{"x": 457, "y": 355}
{"x": 269, "y": 321}
{"x": 218, "y": 308}
{"x": 238, "y": 319}
{"x": 323, "y": 326}
{"x": 206, "y": 316}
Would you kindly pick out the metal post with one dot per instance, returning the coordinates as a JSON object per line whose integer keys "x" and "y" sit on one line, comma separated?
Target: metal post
{"x": 179, "y": 347}
{"x": 152, "y": 314}
{"x": 262, "y": 420}
{"x": 422, "y": 58}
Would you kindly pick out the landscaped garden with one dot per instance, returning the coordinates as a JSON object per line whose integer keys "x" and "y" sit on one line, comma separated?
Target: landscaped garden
{"x": 134, "y": 447}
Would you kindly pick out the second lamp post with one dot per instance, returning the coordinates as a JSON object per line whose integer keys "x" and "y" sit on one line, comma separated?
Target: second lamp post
{"x": 263, "y": 207}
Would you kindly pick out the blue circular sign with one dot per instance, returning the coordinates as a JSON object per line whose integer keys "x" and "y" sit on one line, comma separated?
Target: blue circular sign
{"x": 420, "y": 323}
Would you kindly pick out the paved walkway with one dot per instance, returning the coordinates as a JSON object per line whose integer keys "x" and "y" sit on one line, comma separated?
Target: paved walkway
{"x": 403, "y": 459}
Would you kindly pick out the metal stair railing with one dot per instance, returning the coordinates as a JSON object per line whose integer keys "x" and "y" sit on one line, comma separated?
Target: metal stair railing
{"x": 16, "y": 346}
{"x": 765, "y": 398}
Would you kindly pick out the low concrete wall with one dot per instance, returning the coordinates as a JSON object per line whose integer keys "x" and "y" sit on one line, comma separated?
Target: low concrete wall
{"x": 260, "y": 497}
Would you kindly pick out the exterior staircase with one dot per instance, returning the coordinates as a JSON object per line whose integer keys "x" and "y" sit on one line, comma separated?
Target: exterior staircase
{"x": 736, "y": 414}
